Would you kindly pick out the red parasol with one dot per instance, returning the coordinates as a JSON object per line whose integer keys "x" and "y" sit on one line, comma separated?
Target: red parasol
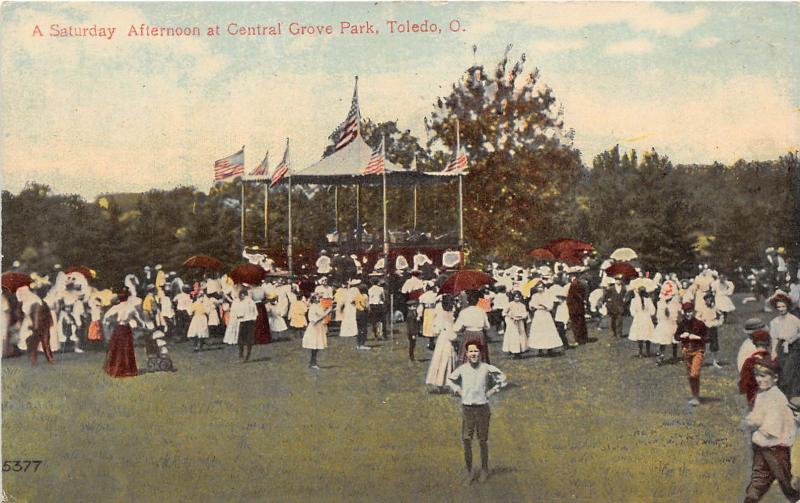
{"x": 14, "y": 280}
{"x": 203, "y": 262}
{"x": 625, "y": 269}
{"x": 465, "y": 280}
{"x": 82, "y": 269}
{"x": 542, "y": 254}
{"x": 569, "y": 250}
{"x": 248, "y": 273}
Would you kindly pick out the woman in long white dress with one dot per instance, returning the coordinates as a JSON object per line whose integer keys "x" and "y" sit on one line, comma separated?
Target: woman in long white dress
{"x": 667, "y": 317}
{"x": 515, "y": 314}
{"x": 198, "y": 327}
{"x": 642, "y": 311}
{"x": 444, "y": 356}
{"x": 349, "y": 323}
{"x": 236, "y": 313}
{"x": 316, "y": 334}
{"x": 543, "y": 332}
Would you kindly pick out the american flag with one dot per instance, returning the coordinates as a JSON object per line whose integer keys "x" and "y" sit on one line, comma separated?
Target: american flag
{"x": 348, "y": 130}
{"x": 375, "y": 166}
{"x": 458, "y": 163}
{"x": 282, "y": 168}
{"x": 233, "y": 165}
{"x": 260, "y": 173}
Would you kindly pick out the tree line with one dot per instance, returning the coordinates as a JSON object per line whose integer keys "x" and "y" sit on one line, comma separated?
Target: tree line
{"x": 526, "y": 184}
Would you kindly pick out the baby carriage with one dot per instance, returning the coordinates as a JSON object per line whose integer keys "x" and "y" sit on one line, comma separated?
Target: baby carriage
{"x": 158, "y": 359}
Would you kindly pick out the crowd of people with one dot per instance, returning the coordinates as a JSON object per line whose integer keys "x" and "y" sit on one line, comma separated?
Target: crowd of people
{"x": 541, "y": 310}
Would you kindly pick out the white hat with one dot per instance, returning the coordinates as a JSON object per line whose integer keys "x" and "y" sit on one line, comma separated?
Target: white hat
{"x": 401, "y": 263}
{"x": 451, "y": 258}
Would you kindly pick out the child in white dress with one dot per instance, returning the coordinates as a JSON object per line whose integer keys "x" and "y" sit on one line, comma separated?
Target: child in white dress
{"x": 642, "y": 311}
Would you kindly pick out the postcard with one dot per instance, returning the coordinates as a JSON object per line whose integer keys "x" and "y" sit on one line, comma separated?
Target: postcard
{"x": 266, "y": 251}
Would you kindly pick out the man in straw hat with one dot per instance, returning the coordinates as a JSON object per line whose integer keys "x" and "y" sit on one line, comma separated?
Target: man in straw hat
{"x": 774, "y": 429}
{"x": 748, "y": 347}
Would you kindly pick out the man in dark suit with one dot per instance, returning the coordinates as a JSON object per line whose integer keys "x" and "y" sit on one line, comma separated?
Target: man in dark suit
{"x": 616, "y": 301}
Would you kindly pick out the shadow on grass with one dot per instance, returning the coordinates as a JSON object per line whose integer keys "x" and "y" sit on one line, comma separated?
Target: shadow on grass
{"x": 258, "y": 360}
{"x": 503, "y": 470}
{"x": 710, "y": 399}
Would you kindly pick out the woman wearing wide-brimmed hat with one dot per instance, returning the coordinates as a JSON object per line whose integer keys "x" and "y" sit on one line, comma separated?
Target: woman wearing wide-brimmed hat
{"x": 785, "y": 332}
{"x": 667, "y": 310}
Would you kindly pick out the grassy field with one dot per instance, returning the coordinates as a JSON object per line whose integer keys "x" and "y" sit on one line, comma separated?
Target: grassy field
{"x": 595, "y": 424}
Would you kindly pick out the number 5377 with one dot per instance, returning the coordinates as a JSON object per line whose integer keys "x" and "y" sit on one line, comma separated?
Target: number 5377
{"x": 21, "y": 465}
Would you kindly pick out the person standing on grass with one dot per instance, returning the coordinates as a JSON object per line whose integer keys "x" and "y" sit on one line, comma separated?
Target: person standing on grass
{"x": 692, "y": 334}
{"x": 316, "y": 334}
{"x": 616, "y": 300}
{"x": 775, "y": 428}
{"x": 785, "y": 332}
{"x": 713, "y": 319}
{"x": 577, "y": 310}
{"x": 475, "y": 381}
{"x": 36, "y": 324}
{"x": 377, "y": 309}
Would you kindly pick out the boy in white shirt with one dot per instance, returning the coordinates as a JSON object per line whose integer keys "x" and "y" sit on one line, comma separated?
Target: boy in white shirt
{"x": 475, "y": 381}
{"x": 774, "y": 432}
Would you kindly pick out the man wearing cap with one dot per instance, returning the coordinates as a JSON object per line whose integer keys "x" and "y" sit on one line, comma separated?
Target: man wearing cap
{"x": 748, "y": 347}
{"x": 774, "y": 430}
{"x": 616, "y": 300}
{"x": 747, "y": 379}
{"x": 693, "y": 335}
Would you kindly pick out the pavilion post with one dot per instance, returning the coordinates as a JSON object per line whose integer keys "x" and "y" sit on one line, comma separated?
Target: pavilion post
{"x": 358, "y": 215}
{"x": 266, "y": 215}
{"x": 241, "y": 213}
{"x": 289, "y": 215}
{"x": 336, "y": 208}
{"x": 460, "y": 212}
{"x": 386, "y": 293}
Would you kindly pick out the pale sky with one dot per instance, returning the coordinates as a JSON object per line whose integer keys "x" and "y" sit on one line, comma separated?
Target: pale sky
{"x": 700, "y": 82}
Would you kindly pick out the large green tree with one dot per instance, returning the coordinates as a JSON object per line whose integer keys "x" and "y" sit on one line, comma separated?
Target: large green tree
{"x": 522, "y": 167}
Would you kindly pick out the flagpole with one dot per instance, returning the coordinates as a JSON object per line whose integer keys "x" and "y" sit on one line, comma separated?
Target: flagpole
{"x": 415, "y": 206}
{"x": 460, "y": 197}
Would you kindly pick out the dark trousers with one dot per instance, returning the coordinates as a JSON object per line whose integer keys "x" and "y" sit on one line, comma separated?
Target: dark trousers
{"x": 475, "y": 419}
{"x": 616, "y": 324}
{"x": 33, "y": 343}
{"x": 562, "y": 333}
{"x": 361, "y": 324}
{"x": 182, "y": 320}
{"x": 769, "y": 464}
{"x": 377, "y": 318}
{"x": 578, "y": 323}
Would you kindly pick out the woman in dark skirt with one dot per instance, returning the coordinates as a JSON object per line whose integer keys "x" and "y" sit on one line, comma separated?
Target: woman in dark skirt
{"x": 121, "y": 359}
{"x": 262, "y": 333}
